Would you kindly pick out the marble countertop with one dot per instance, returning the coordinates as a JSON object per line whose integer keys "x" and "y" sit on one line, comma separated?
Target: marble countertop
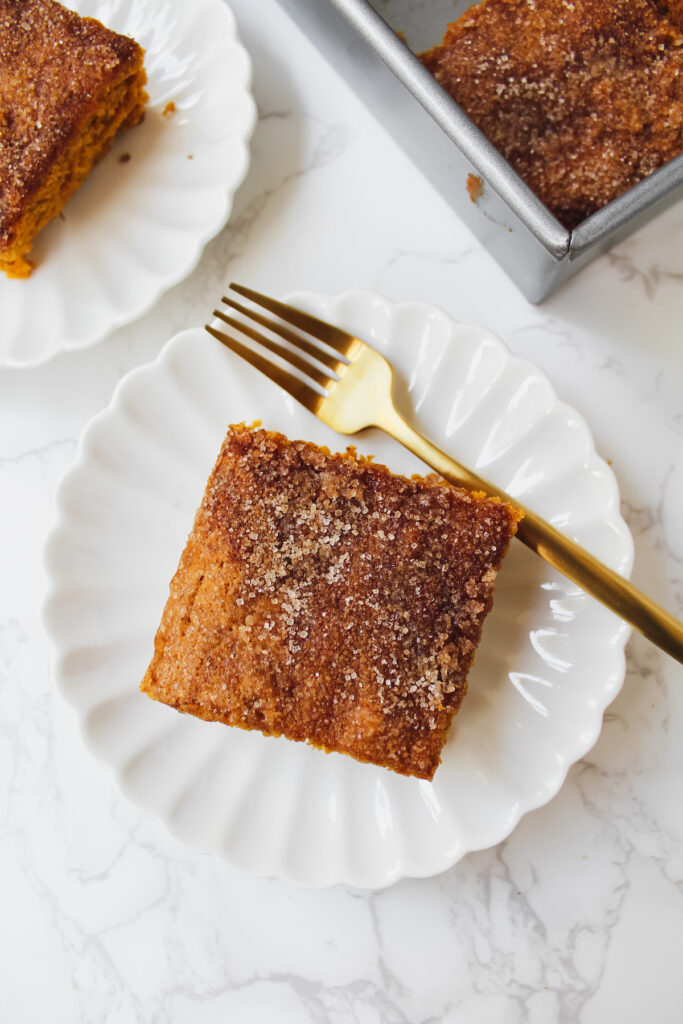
{"x": 578, "y": 916}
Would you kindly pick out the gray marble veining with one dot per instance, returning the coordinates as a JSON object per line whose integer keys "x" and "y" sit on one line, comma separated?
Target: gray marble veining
{"x": 578, "y": 916}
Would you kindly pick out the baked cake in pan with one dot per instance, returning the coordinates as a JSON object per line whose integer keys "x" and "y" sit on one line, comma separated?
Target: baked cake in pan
{"x": 583, "y": 97}
{"x": 67, "y": 85}
{"x": 324, "y": 598}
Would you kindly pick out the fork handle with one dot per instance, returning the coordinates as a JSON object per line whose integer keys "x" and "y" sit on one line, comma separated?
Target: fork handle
{"x": 601, "y": 582}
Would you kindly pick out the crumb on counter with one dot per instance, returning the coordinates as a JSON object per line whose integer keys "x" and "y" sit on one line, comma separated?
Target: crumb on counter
{"x": 475, "y": 187}
{"x": 169, "y": 109}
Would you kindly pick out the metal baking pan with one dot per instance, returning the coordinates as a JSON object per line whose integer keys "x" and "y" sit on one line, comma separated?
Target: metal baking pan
{"x": 360, "y": 38}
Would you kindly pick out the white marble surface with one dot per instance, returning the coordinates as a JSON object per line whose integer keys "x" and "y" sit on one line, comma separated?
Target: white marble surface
{"x": 579, "y": 915}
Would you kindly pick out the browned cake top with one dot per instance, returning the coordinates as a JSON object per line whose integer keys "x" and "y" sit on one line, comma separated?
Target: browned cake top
{"x": 323, "y": 597}
{"x": 673, "y": 9}
{"x": 583, "y": 97}
{"x": 54, "y": 66}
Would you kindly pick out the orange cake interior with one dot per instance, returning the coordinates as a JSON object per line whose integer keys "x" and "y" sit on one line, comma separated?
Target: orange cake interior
{"x": 323, "y": 598}
{"x": 67, "y": 85}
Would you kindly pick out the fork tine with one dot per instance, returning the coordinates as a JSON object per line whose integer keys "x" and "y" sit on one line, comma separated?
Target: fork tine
{"x": 284, "y": 332}
{"x": 289, "y": 383}
{"x": 273, "y": 346}
{"x": 331, "y": 335}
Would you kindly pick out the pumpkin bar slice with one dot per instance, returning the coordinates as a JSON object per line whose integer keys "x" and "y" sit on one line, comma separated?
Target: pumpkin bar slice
{"x": 583, "y": 97}
{"x": 323, "y": 598}
{"x": 67, "y": 85}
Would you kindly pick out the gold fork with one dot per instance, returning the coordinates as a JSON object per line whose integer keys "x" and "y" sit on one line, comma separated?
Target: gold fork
{"x": 356, "y": 383}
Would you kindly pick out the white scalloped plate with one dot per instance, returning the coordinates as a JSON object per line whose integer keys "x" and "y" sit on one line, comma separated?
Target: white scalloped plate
{"x": 135, "y": 228}
{"x": 550, "y": 660}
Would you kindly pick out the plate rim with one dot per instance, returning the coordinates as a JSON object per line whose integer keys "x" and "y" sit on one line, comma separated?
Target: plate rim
{"x": 618, "y": 638}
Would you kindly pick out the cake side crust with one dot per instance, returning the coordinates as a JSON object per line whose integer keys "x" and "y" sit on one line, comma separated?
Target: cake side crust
{"x": 124, "y": 108}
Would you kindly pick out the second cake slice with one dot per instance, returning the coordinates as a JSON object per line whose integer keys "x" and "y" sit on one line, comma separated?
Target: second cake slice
{"x": 67, "y": 85}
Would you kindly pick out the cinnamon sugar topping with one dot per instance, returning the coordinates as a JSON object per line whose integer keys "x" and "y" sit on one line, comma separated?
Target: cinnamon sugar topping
{"x": 322, "y": 597}
{"x": 583, "y": 97}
